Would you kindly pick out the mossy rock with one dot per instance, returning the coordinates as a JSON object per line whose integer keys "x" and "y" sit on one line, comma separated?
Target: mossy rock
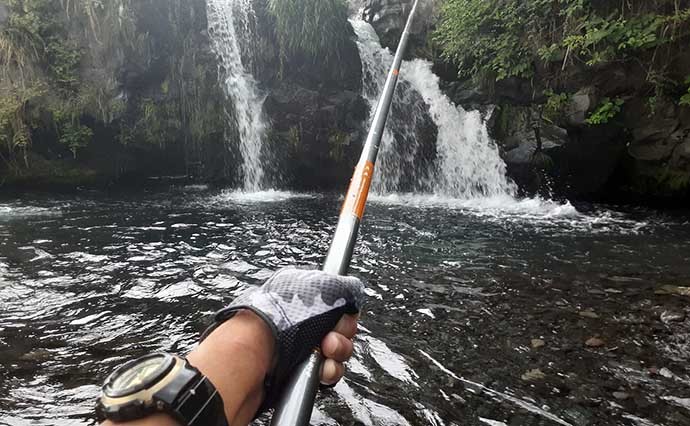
{"x": 43, "y": 173}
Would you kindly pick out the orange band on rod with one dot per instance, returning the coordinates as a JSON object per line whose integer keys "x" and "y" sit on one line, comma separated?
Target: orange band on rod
{"x": 356, "y": 198}
{"x": 396, "y": 72}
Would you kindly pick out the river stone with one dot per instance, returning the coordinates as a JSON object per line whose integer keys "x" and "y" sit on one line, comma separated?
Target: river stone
{"x": 595, "y": 342}
{"x": 538, "y": 343}
{"x": 665, "y": 372}
{"x": 673, "y": 289}
{"x": 622, "y": 396}
{"x": 589, "y": 314}
{"x": 533, "y": 375}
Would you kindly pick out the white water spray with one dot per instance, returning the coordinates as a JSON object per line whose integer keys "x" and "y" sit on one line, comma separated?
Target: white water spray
{"x": 467, "y": 163}
{"x": 224, "y": 17}
{"x": 399, "y": 146}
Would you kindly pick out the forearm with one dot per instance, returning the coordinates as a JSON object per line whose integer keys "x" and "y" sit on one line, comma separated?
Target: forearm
{"x": 236, "y": 358}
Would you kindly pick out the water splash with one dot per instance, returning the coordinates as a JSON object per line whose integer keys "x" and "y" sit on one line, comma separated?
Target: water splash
{"x": 224, "y": 18}
{"x": 467, "y": 163}
{"x": 399, "y": 146}
{"x": 270, "y": 196}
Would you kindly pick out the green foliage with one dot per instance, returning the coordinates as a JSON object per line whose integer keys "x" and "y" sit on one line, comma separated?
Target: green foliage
{"x": 685, "y": 99}
{"x": 63, "y": 61}
{"x": 556, "y": 104}
{"x": 605, "y": 39}
{"x": 315, "y": 29}
{"x": 607, "y": 110}
{"x": 158, "y": 123}
{"x": 294, "y": 137}
{"x": 14, "y": 119}
{"x": 337, "y": 142}
{"x": 485, "y": 37}
{"x": 75, "y": 136}
{"x": 508, "y": 38}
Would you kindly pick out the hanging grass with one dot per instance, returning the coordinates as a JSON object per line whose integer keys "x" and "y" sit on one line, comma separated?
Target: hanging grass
{"x": 316, "y": 29}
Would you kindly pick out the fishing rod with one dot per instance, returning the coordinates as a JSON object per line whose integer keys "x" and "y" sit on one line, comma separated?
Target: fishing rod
{"x": 297, "y": 401}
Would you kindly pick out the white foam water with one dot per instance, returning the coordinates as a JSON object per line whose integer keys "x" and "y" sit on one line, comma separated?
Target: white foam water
{"x": 248, "y": 197}
{"x": 468, "y": 172}
{"x": 399, "y": 146}
{"x": 224, "y": 18}
{"x": 468, "y": 164}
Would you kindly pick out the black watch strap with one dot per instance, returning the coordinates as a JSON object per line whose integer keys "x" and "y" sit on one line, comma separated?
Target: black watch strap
{"x": 177, "y": 389}
{"x": 201, "y": 405}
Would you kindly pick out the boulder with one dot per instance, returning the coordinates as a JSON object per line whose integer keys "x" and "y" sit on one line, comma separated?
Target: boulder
{"x": 681, "y": 155}
{"x": 524, "y": 143}
{"x": 466, "y": 93}
{"x": 388, "y": 17}
{"x": 515, "y": 91}
{"x": 580, "y": 105}
{"x": 655, "y": 142}
{"x": 655, "y": 137}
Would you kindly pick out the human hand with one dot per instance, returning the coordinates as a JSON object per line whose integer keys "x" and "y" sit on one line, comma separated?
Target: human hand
{"x": 303, "y": 308}
{"x": 337, "y": 348}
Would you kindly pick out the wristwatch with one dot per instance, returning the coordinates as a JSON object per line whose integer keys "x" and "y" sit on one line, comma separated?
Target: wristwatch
{"x": 160, "y": 383}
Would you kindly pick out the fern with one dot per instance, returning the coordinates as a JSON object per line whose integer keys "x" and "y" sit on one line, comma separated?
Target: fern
{"x": 607, "y": 110}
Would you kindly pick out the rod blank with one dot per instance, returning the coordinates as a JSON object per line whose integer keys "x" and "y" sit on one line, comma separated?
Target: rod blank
{"x": 297, "y": 402}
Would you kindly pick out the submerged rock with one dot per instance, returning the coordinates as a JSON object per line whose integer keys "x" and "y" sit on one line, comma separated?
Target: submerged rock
{"x": 622, "y": 396}
{"x": 538, "y": 343}
{"x": 673, "y": 289}
{"x": 595, "y": 342}
{"x": 533, "y": 375}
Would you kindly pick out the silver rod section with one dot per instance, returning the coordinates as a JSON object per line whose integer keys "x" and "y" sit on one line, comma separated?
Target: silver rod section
{"x": 297, "y": 402}
{"x": 371, "y": 147}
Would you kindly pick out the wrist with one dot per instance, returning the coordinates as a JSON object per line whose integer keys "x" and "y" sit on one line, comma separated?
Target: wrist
{"x": 236, "y": 357}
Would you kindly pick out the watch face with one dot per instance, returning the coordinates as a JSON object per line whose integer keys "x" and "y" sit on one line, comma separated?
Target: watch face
{"x": 138, "y": 375}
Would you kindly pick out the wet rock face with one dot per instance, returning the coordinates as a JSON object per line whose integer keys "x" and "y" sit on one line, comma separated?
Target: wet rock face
{"x": 388, "y": 17}
{"x": 574, "y": 160}
{"x": 315, "y": 110}
{"x": 4, "y": 14}
{"x": 579, "y": 107}
{"x": 654, "y": 138}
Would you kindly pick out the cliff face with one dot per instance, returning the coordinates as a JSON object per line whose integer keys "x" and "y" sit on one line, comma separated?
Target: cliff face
{"x": 598, "y": 129}
{"x": 313, "y": 101}
{"x": 110, "y": 90}
{"x": 104, "y": 90}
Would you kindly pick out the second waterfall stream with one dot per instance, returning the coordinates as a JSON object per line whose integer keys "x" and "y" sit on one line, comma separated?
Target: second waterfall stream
{"x": 467, "y": 164}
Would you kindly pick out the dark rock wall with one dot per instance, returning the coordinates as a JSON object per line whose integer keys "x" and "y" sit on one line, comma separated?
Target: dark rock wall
{"x": 315, "y": 109}
{"x": 162, "y": 111}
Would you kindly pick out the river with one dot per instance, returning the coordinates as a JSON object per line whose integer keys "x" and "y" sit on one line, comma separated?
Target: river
{"x": 479, "y": 313}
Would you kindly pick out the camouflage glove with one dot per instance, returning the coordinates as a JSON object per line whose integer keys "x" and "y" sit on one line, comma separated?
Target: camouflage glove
{"x": 301, "y": 307}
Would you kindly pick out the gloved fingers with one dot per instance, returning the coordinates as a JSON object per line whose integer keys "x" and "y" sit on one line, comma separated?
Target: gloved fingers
{"x": 337, "y": 347}
{"x": 347, "y": 326}
{"x": 331, "y": 372}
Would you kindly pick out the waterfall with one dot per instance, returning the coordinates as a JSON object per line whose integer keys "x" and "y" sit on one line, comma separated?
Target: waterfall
{"x": 228, "y": 24}
{"x": 399, "y": 146}
{"x": 467, "y": 163}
